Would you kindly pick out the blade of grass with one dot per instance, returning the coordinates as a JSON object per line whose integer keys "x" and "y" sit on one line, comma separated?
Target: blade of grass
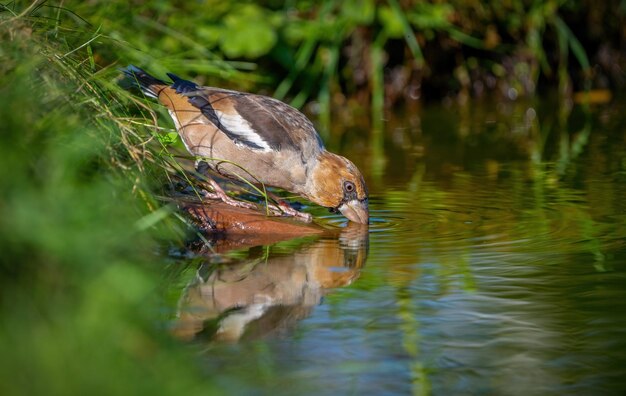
{"x": 409, "y": 36}
{"x": 303, "y": 55}
{"x": 576, "y": 47}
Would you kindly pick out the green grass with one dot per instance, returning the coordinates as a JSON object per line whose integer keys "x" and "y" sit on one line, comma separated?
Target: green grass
{"x": 79, "y": 225}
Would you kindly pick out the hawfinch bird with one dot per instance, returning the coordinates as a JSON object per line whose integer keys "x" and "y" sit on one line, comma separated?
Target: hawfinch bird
{"x": 269, "y": 139}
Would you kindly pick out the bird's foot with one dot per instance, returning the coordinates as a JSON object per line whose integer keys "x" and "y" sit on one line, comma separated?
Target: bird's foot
{"x": 288, "y": 210}
{"x": 228, "y": 200}
{"x": 220, "y": 195}
{"x": 282, "y": 208}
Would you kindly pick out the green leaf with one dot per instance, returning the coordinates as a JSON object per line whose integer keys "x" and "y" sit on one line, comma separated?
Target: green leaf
{"x": 574, "y": 44}
{"x": 431, "y": 16}
{"x": 248, "y": 33}
{"x": 391, "y": 23}
{"x": 167, "y": 138}
{"x": 360, "y": 12}
{"x": 210, "y": 35}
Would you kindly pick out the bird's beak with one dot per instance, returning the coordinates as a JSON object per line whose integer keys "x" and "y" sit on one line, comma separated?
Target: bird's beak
{"x": 356, "y": 211}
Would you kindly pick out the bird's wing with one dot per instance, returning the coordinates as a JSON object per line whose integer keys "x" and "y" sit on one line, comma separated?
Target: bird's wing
{"x": 255, "y": 121}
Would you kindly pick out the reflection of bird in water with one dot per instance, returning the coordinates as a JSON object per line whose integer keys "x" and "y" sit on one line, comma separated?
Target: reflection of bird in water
{"x": 266, "y": 295}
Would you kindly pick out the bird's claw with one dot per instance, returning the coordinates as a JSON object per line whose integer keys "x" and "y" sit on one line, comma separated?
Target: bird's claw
{"x": 281, "y": 209}
{"x": 228, "y": 200}
{"x": 288, "y": 210}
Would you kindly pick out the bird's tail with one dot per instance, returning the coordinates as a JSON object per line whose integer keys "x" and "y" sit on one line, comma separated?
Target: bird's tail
{"x": 149, "y": 85}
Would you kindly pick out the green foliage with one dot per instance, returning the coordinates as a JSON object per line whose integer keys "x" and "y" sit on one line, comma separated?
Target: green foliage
{"x": 250, "y": 32}
{"x": 302, "y": 50}
{"x": 77, "y": 274}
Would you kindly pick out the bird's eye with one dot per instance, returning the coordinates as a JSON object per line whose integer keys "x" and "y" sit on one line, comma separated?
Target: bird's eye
{"x": 348, "y": 186}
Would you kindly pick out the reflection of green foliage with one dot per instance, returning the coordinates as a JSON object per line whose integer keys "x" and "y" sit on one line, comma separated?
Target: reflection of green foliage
{"x": 547, "y": 189}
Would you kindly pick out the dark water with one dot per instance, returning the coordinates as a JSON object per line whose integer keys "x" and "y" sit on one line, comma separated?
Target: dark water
{"x": 495, "y": 263}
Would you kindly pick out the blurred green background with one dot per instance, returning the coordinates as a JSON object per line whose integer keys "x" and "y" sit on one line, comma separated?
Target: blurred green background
{"x": 82, "y": 160}
{"x": 337, "y": 54}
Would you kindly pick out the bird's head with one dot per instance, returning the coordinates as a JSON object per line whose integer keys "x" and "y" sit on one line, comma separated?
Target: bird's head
{"x": 337, "y": 184}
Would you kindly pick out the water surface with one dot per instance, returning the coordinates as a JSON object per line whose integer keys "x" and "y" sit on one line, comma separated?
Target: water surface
{"x": 495, "y": 263}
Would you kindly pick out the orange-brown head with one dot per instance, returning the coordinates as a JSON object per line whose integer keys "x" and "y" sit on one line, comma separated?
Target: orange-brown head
{"x": 336, "y": 183}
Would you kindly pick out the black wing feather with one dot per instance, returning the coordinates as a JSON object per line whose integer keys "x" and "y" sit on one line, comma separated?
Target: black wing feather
{"x": 276, "y": 123}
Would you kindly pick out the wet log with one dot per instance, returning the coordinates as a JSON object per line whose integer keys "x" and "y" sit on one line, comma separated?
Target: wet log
{"x": 220, "y": 218}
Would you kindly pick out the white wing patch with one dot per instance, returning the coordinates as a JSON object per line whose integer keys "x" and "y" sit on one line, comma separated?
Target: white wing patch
{"x": 237, "y": 125}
